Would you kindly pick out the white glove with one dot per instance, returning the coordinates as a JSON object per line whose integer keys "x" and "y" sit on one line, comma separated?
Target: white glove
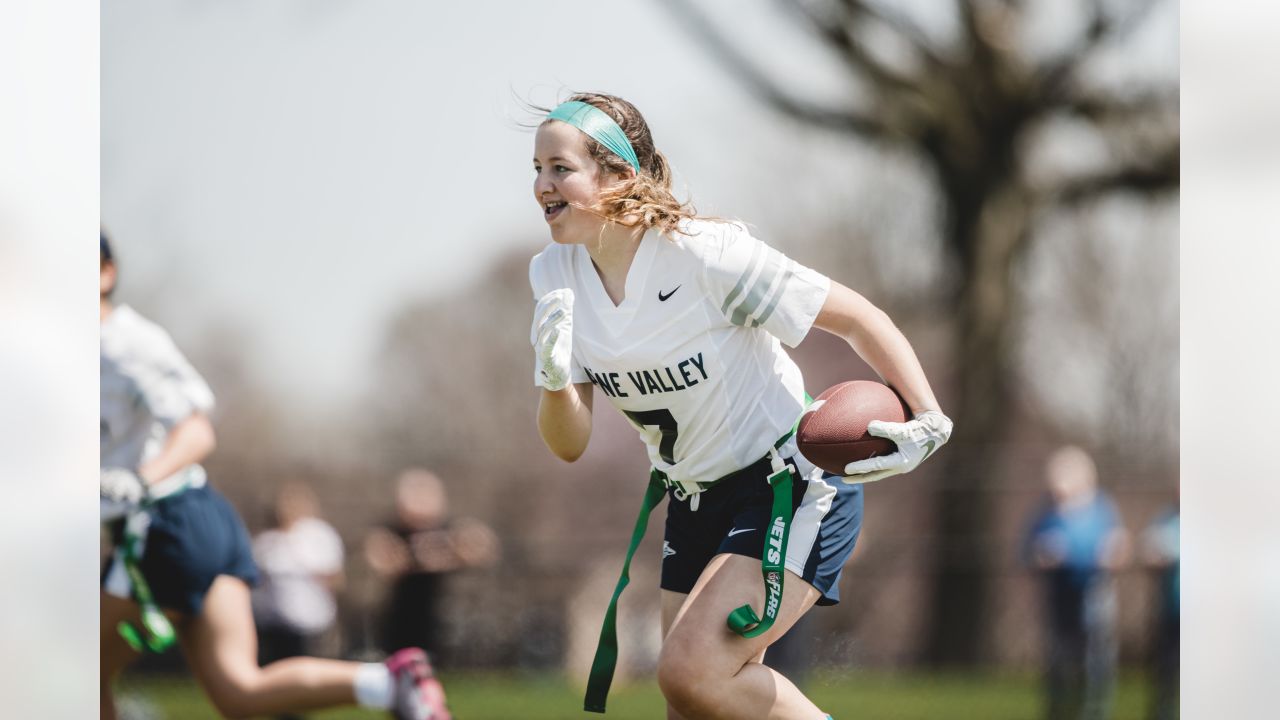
{"x": 122, "y": 486}
{"x": 552, "y": 338}
{"x": 916, "y": 439}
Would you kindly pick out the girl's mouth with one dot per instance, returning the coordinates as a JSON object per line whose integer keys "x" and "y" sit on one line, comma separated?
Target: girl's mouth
{"x": 552, "y": 210}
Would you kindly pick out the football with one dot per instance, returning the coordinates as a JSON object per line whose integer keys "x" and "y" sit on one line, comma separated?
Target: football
{"x": 833, "y": 431}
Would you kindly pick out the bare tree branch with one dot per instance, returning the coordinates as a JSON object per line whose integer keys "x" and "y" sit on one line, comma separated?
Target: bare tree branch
{"x": 905, "y": 27}
{"x": 1156, "y": 102}
{"x": 735, "y": 61}
{"x": 839, "y": 32}
{"x": 975, "y": 34}
{"x": 1056, "y": 75}
{"x": 1161, "y": 174}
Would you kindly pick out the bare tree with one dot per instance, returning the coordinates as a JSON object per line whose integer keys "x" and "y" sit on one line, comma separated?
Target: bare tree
{"x": 1100, "y": 333}
{"x": 970, "y": 96}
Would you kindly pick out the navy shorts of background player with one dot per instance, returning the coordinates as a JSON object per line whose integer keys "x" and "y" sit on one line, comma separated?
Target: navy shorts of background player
{"x": 193, "y": 538}
{"x": 147, "y": 388}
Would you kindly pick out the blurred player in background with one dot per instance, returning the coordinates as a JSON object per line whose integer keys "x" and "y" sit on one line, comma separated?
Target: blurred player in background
{"x": 679, "y": 321}
{"x": 416, "y": 551}
{"x": 1162, "y": 552}
{"x": 300, "y": 563}
{"x": 1076, "y": 542}
{"x": 180, "y": 546}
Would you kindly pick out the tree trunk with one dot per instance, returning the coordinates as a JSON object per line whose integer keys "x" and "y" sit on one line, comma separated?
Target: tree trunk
{"x": 989, "y": 244}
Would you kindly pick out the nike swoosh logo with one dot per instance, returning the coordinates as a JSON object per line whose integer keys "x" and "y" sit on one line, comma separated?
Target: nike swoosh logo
{"x": 928, "y": 450}
{"x": 663, "y": 298}
{"x": 739, "y": 532}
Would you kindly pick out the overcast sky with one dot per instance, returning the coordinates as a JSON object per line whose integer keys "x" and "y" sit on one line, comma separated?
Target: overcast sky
{"x": 301, "y": 167}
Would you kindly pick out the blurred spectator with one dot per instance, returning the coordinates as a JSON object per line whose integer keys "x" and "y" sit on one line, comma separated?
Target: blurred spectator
{"x": 1161, "y": 553}
{"x": 416, "y": 550}
{"x": 1076, "y": 541}
{"x": 300, "y": 561}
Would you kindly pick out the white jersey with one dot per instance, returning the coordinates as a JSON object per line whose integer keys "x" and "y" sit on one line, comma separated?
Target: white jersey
{"x": 692, "y": 355}
{"x": 293, "y": 563}
{"x": 147, "y": 388}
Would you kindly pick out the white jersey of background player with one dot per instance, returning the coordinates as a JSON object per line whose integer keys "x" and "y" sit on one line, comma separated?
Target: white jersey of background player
{"x": 147, "y": 388}
{"x": 191, "y": 546}
{"x": 673, "y": 358}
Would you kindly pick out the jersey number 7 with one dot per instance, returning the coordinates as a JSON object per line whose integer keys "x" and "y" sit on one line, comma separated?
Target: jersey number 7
{"x": 666, "y": 424}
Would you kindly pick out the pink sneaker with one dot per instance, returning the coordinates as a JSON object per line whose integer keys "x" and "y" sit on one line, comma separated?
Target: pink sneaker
{"x": 419, "y": 695}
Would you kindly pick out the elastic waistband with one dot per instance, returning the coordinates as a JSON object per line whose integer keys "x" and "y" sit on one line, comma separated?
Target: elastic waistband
{"x": 188, "y": 478}
{"x": 763, "y": 465}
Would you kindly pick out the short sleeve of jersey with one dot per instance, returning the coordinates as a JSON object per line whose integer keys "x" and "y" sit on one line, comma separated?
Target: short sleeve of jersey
{"x": 170, "y": 386}
{"x": 757, "y": 286}
{"x": 551, "y": 270}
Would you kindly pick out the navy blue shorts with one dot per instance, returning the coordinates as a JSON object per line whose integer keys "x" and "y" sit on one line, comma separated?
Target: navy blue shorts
{"x": 194, "y": 537}
{"x": 733, "y": 514}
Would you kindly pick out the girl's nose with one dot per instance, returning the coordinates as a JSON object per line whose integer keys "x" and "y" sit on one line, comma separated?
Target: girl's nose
{"x": 542, "y": 185}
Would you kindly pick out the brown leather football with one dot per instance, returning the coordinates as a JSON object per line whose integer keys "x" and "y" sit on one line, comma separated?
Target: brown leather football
{"x": 833, "y": 431}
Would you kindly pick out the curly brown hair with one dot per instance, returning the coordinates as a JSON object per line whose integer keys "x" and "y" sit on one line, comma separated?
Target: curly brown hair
{"x": 645, "y": 198}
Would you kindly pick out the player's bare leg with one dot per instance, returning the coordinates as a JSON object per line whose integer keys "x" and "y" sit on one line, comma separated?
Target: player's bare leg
{"x": 671, "y": 604}
{"x": 114, "y": 654}
{"x": 221, "y": 646}
{"x": 708, "y": 672}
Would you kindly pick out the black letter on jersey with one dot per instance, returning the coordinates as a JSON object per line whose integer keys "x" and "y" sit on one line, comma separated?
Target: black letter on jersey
{"x": 688, "y": 379}
{"x": 698, "y": 364}
{"x": 603, "y": 383}
{"x": 617, "y": 390}
{"x": 674, "y": 381}
{"x": 660, "y": 382}
{"x": 636, "y": 380}
{"x": 653, "y": 385}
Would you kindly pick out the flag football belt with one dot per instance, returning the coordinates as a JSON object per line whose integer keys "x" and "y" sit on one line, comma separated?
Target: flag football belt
{"x": 156, "y": 632}
{"x": 190, "y": 477}
{"x": 678, "y": 487}
{"x": 742, "y": 621}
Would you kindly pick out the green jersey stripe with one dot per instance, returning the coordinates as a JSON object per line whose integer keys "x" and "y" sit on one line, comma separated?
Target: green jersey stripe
{"x": 742, "y": 281}
{"x": 777, "y": 296}
{"x": 774, "y": 262}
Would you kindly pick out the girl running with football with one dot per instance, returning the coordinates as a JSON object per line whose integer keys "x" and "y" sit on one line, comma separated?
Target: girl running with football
{"x": 679, "y": 320}
{"x": 182, "y": 560}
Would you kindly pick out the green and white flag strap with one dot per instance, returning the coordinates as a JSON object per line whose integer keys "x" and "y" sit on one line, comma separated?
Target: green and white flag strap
{"x": 744, "y": 620}
{"x": 156, "y": 634}
{"x": 606, "y": 659}
{"x": 773, "y": 560}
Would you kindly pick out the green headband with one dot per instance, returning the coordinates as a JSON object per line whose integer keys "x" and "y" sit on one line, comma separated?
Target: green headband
{"x": 599, "y": 126}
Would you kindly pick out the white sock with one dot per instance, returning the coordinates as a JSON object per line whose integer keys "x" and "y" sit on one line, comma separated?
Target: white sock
{"x": 375, "y": 688}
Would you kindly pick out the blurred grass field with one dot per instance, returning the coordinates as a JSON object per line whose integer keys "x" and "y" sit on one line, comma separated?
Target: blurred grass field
{"x": 845, "y": 695}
